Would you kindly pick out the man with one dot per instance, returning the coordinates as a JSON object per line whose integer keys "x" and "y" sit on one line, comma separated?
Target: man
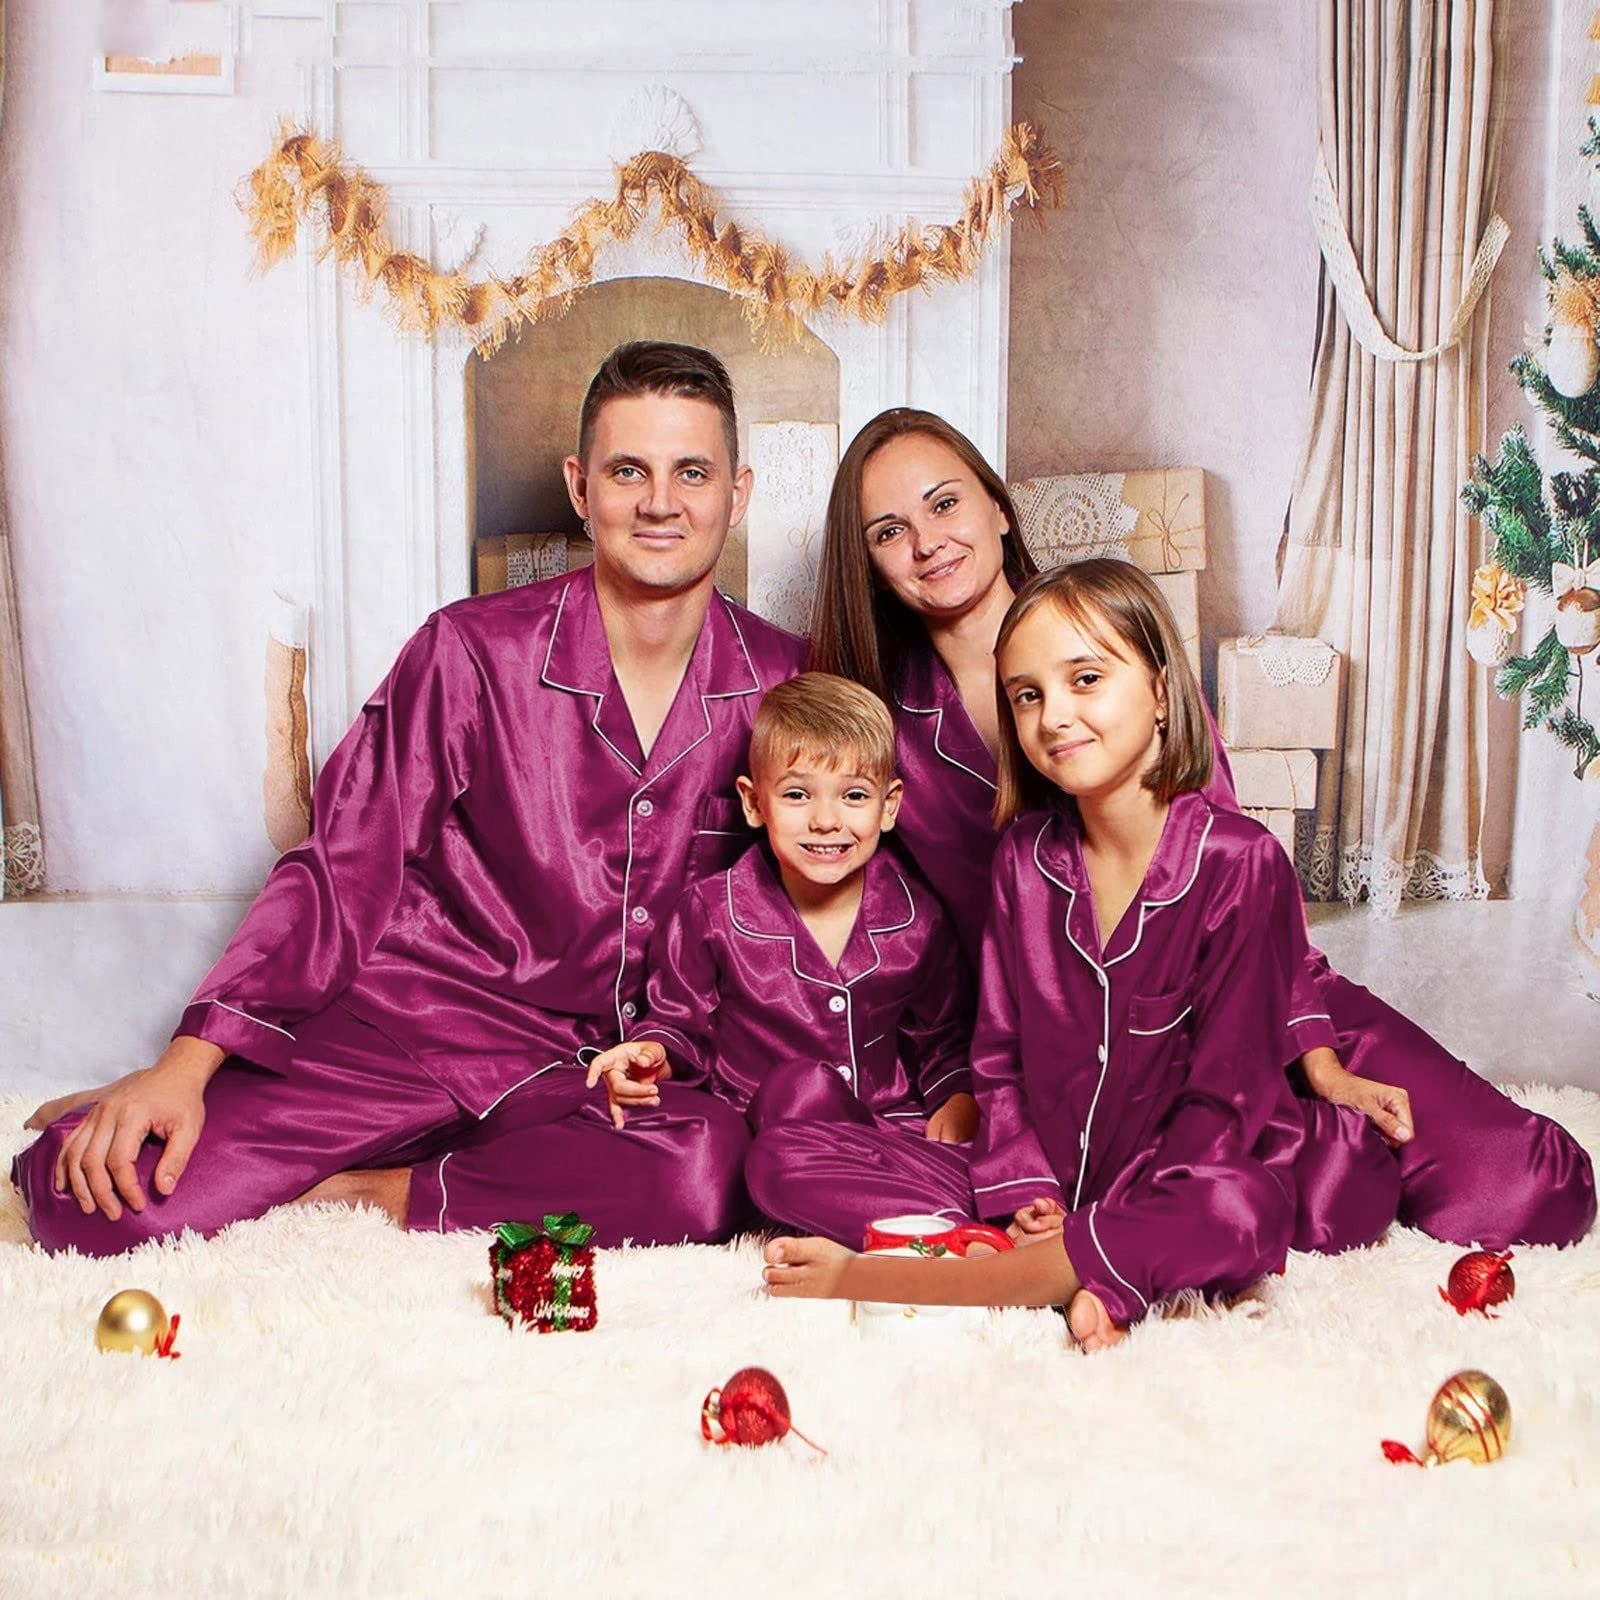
{"x": 400, "y": 1016}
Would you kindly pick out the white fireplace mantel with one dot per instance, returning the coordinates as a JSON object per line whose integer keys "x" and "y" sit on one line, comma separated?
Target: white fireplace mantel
{"x": 491, "y": 121}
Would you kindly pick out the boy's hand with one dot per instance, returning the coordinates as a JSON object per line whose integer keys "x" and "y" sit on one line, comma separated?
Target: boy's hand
{"x": 811, "y": 1269}
{"x": 631, "y": 1071}
{"x": 1037, "y": 1221}
{"x": 955, "y": 1121}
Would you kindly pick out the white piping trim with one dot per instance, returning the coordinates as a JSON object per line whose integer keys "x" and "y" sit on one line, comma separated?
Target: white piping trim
{"x": 1011, "y": 1183}
{"x": 248, "y": 1018}
{"x": 937, "y": 713}
{"x": 1152, "y": 905}
{"x": 1310, "y": 1016}
{"x": 517, "y": 1085}
{"x": 879, "y": 1040}
{"x": 1150, "y": 1033}
{"x": 444, "y": 1198}
{"x": 572, "y": 688}
{"x": 953, "y": 1072}
{"x": 1095, "y": 1236}
{"x": 805, "y": 977}
{"x": 893, "y": 927}
{"x": 888, "y": 1114}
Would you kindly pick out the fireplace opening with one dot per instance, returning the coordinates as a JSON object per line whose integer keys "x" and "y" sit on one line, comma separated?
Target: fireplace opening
{"x": 522, "y": 411}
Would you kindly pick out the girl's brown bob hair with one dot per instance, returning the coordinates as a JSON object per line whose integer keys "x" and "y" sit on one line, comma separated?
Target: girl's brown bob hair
{"x": 1116, "y": 605}
{"x": 859, "y": 629}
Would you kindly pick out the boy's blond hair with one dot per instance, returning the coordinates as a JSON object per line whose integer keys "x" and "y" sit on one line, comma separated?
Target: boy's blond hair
{"x": 827, "y": 718}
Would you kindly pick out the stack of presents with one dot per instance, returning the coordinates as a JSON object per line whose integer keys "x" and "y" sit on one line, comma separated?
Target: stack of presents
{"x": 1277, "y": 696}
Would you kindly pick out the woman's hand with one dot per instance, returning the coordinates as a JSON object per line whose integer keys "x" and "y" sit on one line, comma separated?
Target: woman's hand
{"x": 955, "y": 1121}
{"x": 810, "y": 1269}
{"x": 1037, "y": 1221}
{"x": 1388, "y": 1107}
{"x": 631, "y": 1071}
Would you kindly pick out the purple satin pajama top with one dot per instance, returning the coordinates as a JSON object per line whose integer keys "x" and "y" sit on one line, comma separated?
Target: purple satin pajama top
{"x": 946, "y": 827}
{"x": 491, "y": 852}
{"x": 1157, "y": 1056}
{"x": 738, "y": 986}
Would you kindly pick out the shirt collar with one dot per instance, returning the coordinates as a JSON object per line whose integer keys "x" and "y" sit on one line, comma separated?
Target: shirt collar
{"x": 1059, "y": 849}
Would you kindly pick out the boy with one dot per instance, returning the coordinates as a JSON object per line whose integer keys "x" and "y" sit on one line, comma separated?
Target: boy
{"x": 816, "y": 985}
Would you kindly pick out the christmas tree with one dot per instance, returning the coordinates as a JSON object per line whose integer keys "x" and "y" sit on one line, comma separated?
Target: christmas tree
{"x": 1547, "y": 537}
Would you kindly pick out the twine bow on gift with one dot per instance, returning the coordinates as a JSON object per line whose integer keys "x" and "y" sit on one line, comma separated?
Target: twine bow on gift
{"x": 1167, "y": 530}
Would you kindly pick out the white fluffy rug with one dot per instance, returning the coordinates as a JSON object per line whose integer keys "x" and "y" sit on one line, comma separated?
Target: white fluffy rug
{"x": 350, "y": 1418}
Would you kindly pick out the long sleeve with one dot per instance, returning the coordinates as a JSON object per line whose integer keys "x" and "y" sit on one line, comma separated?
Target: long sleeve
{"x": 379, "y": 802}
{"x": 1234, "y": 1082}
{"x": 681, "y": 992}
{"x": 1009, "y": 1166}
{"x": 936, "y": 1030}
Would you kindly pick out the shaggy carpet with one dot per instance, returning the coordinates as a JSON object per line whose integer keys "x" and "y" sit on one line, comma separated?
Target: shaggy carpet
{"x": 350, "y": 1418}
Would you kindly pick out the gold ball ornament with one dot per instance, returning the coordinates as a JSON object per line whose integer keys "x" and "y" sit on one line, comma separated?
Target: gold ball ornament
{"x": 1469, "y": 1419}
{"x": 131, "y": 1320}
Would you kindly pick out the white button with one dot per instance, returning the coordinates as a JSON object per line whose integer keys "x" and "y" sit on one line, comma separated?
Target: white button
{"x": 644, "y": 808}
{"x": 1083, "y": 1140}
{"x": 640, "y": 914}
{"x": 1102, "y": 1055}
{"x": 629, "y": 1009}
{"x": 836, "y": 1003}
{"x": 842, "y": 1070}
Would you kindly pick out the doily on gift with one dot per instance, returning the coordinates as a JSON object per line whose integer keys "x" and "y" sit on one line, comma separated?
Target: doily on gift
{"x": 21, "y": 860}
{"x": 1284, "y": 659}
{"x": 1074, "y": 517}
{"x": 784, "y": 598}
{"x": 538, "y": 559}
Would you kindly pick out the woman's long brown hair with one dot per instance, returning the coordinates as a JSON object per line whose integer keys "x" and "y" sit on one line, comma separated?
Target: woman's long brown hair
{"x": 859, "y": 630}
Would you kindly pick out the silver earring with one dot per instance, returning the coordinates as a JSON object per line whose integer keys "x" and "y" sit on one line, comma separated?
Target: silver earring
{"x": 588, "y": 532}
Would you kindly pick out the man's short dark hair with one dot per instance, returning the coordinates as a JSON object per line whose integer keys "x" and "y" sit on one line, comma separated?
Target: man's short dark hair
{"x": 652, "y": 366}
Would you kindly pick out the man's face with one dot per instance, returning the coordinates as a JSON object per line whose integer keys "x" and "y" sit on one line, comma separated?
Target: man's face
{"x": 658, "y": 491}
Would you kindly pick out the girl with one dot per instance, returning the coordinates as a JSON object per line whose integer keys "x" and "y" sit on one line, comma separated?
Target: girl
{"x": 920, "y": 561}
{"x": 1136, "y": 977}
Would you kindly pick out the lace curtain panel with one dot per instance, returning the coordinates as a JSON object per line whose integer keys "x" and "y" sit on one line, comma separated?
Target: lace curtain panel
{"x": 1378, "y": 554}
{"x": 21, "y": 844}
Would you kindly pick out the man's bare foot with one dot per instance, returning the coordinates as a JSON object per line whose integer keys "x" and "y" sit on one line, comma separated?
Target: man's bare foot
{"x": 383, "y": 1188}
{"x": 1091, "y": 1323}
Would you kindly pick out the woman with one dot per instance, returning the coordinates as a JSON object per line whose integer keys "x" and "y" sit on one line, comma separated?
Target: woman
{"x": 921, "y": 559}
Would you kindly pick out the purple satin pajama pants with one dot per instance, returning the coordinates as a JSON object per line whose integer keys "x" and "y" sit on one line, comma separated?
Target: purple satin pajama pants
{"x": 822, "y": 1163}
{"x": 351, "y": 1100}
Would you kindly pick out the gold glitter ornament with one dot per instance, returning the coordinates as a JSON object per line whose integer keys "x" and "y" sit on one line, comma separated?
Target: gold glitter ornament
{"x": 1468, "y": 1420}
{"x": 132, "y": 1319}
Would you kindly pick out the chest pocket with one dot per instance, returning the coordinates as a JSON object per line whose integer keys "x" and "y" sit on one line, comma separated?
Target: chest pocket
{"x": 721, "y": 835}
{"x": 1160, "y": 1028}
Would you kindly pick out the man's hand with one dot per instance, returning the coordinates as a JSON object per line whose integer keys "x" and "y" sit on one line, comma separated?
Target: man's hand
{"x": 955, "y": 1121}
{"x": 55, "y": 1110}
{"x": 1388, "y": 1107}
{"x": 1037, "y": 1221}
{"x": 631, "y": 1071}
{"x": 810, "y": 1269}
{"x": 166, "y": 1101}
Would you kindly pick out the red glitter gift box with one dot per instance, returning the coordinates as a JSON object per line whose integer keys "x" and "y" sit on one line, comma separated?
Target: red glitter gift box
{"x": 545, "y": 1280}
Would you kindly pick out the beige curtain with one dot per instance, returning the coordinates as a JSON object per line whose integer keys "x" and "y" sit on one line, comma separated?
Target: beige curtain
{"x": 21, "y": 845}
{"x": 1378, "y": 555}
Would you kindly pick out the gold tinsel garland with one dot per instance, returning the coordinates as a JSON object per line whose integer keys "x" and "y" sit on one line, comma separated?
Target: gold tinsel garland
{"x": 305, "y": 179}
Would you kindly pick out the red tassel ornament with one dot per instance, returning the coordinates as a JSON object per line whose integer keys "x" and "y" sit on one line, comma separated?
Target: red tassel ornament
{"x": 750, "y": 1409}
{"x": 1480, "y": 1279}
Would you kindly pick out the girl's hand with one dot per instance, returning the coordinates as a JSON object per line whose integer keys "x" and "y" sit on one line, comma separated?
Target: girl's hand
{"x": 1037, "y": 1221}
{"x": 810, "y": 1269}
{"x": 1387, "y": 1106}
{"x": 631, "y": 1071}
{"x": 955, "y": 1121}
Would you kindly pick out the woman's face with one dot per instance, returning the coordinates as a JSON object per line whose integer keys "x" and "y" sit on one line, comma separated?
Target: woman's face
{"x": 1086, "y": 716}
{"x": 934, "y": 535}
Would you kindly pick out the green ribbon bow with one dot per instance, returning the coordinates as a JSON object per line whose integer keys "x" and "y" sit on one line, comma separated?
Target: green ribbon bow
{"x": 568, "y": 1235}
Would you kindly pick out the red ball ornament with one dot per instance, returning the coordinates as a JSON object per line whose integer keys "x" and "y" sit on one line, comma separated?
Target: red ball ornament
{"x": 750, "y": 1408}
{"x": 1480, "y": 1279}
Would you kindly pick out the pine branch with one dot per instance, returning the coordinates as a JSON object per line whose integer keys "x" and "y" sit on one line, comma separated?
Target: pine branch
{"x": 1509, "y": 495}
{"x": 1578, "y": 735}
{"x": 1591, "y": 146}
{"x": 1578, "y": 262}
{"x": 1590, "y": 232}
{"x": 1520, "y": 673}
{"x": 1573, "y": 418}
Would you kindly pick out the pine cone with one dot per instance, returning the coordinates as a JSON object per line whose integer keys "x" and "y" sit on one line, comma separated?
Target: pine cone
{"x": 1574, "y": 493}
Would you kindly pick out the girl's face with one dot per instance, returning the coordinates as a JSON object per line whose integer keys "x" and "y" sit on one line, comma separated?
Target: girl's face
{"x": 934, "y": 535}
{"x": 1085, "y": 717}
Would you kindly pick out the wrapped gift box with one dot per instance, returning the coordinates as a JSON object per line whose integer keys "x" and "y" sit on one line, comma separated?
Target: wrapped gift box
{"x": 1280, "y": 824}
{"x": 544, "y": 1279}
{"x": 1275, "y": 692}
{"x": 1181, "y": 590}
{"x": 1156, "y": 518}
{"x": 507, "y": 561}
{"x": 1275, "y": 780}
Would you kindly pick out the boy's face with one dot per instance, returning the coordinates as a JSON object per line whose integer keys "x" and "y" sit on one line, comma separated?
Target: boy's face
{"x": 823, "y": 820}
